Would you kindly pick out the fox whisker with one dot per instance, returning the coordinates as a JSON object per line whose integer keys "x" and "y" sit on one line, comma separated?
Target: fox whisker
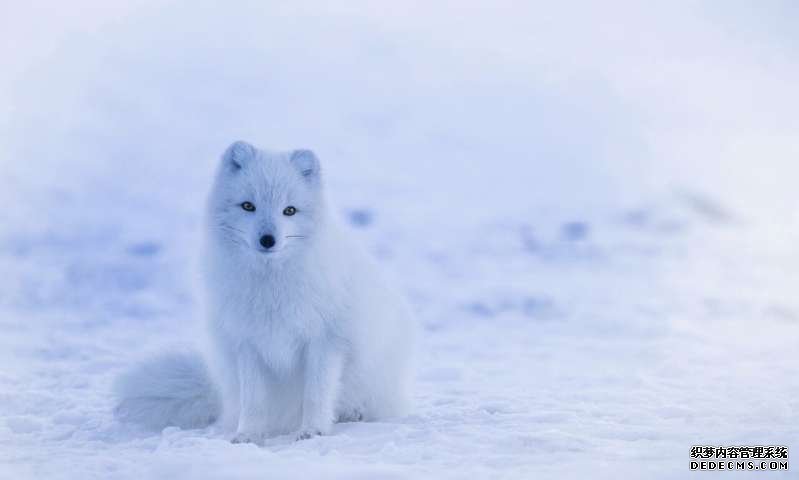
{"x": 228, "y": 227}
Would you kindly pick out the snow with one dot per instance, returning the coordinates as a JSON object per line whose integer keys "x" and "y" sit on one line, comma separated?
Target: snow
{"x": 591, "y": 207}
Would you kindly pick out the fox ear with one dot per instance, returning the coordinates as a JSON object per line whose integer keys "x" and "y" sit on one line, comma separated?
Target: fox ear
{"x": 237, "y": 154}
{"x": 306, "y": 162}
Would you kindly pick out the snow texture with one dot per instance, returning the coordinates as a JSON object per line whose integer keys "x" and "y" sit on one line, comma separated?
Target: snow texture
{"x": 591, "y": 207}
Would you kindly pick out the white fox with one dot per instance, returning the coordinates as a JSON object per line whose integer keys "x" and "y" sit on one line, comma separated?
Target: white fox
{"x": 304, "y": 331}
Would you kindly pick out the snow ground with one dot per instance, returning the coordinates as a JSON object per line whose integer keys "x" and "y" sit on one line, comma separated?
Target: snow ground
{"x": 591, "y": 209}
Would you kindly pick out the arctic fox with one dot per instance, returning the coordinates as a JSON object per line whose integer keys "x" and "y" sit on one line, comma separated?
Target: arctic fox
{"x": 303, "y": 330}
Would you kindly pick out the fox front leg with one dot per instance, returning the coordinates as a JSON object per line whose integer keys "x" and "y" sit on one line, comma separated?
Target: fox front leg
{"x": 323, "y": 364}
{"x": 252, "y": 398}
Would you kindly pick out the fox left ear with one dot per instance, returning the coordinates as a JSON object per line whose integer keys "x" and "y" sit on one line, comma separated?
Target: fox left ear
{"x": 237, "y": 154}
{"x": 306, "y": 162}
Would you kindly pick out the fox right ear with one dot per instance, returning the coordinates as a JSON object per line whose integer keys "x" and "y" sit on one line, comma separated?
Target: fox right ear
{"x": 237, "y": 154}
{"x": 306, "y": 162}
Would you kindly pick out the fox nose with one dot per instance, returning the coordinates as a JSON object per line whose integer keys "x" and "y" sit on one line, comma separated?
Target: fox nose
{"x": 267, "y": 241}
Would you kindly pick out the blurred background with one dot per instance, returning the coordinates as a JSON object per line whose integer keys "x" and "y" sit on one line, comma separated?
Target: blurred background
{"x": 591, "y": 206}
{"x": 566, "y": 105}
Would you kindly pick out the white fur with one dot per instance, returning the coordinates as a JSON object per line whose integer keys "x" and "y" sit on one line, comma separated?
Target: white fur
{"x": 171, "y": 389}
{"x": 305, "y": 333}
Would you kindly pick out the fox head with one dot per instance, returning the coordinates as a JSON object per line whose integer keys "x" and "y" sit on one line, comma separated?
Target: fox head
{"x": 266, "y": 203}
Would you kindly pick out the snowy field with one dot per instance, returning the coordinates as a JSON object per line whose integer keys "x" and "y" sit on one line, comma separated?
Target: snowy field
{"x": 591, "y": 207}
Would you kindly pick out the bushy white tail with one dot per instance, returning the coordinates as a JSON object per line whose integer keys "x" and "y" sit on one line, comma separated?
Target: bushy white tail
{"x": 173, "y": 389}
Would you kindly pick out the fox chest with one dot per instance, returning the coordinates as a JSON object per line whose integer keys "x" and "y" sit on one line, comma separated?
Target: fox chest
{"x": 278, "y": 325}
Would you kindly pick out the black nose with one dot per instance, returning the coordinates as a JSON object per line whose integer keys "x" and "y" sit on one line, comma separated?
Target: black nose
{"x": 268, "y": 241}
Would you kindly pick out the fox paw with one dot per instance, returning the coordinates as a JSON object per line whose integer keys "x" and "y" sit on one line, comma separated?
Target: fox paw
{"x": 351, "y": 415}
{"x": 305, "y": 434}
{"x": 244, "y": 437}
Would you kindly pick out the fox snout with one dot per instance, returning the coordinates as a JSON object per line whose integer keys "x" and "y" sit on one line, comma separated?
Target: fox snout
{"x": 267, "y": 241}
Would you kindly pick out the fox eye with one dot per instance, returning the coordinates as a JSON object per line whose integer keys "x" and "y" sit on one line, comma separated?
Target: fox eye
{"x": 289, "y": 211}
{"x": 248, "y": 206}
